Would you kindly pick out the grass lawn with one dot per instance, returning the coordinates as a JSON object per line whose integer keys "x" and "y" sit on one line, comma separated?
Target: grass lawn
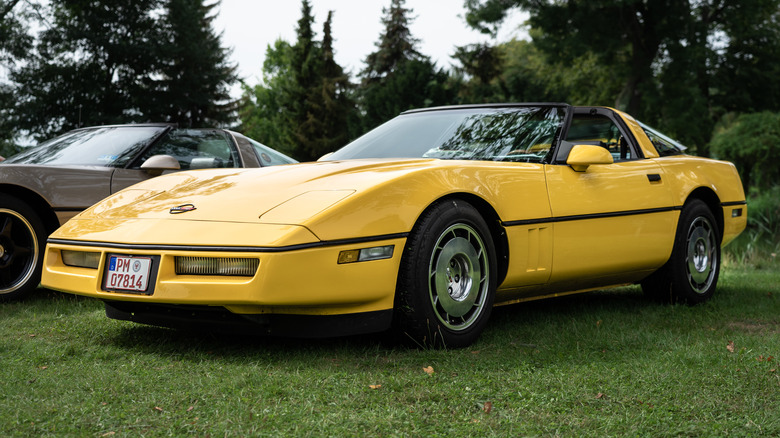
{"x": 607, "y": 363}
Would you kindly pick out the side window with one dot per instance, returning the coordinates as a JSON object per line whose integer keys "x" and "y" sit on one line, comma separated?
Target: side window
{"x": 598, "y": 130}
{"x": 266, "y": 155}
{"x": 196, "y": 149}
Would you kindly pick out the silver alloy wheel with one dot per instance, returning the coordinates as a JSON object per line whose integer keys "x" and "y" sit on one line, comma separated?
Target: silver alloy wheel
{"x": 458, "y": 277}
{"x": 20, "y": 250}
{"x": 701, "y": 257}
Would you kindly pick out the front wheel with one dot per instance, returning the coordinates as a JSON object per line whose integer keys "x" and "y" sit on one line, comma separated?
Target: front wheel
{"x": 22, "y": 239}
{"x": 691, "y": 274}
{"x": 447, "y": 281}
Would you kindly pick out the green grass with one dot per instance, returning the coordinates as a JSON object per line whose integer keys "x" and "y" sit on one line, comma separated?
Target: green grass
{"x": 608, "y": 363}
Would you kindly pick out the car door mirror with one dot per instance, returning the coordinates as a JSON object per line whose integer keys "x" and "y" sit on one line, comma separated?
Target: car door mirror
{"x": 582, "y": 156}
{"x": 157, "y": 164}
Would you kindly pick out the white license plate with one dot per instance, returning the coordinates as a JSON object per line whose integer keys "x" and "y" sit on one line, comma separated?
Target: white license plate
{"x": 128, "y": 273}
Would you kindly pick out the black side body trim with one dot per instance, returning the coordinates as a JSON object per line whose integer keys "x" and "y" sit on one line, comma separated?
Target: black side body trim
{"x": 729, "y": 204}
{"x": 219, "y": 319}
{"x": 216, "y": 248}
{"x": 580, "y": 217}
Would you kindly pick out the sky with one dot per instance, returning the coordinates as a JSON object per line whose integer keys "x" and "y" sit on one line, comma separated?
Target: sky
{"x": 249, "y": 26}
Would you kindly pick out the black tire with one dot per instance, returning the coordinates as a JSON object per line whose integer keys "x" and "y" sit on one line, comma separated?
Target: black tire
{"x": 447, "y": 280}
{"x": 22, "y": 241}
{"x": 691, "y": 274}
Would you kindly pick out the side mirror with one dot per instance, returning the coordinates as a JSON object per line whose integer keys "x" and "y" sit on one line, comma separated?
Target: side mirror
{"x": 582, "y": 156}
{"x": 157, "y": 164}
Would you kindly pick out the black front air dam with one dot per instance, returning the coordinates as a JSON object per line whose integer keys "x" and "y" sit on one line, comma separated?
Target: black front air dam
{"x": 219, "y": 319}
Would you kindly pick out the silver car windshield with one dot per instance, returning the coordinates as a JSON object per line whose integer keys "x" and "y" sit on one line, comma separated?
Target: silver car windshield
{"x": 495, "y": 134}
{"x": 109, "y": 146}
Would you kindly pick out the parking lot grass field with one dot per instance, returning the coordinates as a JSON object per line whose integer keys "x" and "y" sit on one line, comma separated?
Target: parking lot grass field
{"x": 607, "y": 363}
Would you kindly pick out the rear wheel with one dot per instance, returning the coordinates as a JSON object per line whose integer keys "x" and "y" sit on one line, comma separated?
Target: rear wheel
{"x": 691, "y": 274}
{"x": 22, "y": 240}
{"x": 447, "y": 280}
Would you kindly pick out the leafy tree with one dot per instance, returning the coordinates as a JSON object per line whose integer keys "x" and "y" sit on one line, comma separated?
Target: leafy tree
{"x": 264, "y": 106}
{"x": 752, "y": 143}
{"x": 517, "y": 71}
{"x": 15, "y": 42}
{"x": 397, "y": 77}
{"x": 479, "y": 75}
{"x": 671, "y": 56}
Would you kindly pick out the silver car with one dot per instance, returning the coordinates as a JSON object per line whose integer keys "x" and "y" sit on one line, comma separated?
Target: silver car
{"x": 44, "y": 186}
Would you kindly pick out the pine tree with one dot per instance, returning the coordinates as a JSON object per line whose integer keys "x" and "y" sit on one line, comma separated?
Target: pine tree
{"x": 396, "y": 45}
{"x": 337, "y": 103}
{"x": 397, "y": 77}
{"x": 89, "y": 65}
{"x": 195, "y": 89}
{"x": 121, "y": 61}
{"x": 304, "y": 107}
{"x": 303, "y": 96}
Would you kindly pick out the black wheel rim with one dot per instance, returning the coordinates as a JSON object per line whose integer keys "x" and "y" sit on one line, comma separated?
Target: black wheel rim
{"x": 701, "y": 257}
{"x": 18, "y": 250}
{"x": 458, "y": 280}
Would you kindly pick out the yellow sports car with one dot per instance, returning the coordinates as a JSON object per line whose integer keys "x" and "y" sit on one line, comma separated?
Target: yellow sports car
{"x": 420, "y": 226}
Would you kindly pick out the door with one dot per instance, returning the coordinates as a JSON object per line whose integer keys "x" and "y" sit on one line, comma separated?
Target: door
{"x": 611, "y": 222}
{"x": 192, "y": 148}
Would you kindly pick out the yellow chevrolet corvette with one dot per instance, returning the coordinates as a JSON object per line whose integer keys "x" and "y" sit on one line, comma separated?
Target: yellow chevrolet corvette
{"x": 420, "y": 226}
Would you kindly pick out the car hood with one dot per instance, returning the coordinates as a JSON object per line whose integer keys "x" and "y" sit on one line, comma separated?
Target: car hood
{"x": 295, "y": 204}
{"x": 272, "y": 206}
{"x": 279, "y": 195}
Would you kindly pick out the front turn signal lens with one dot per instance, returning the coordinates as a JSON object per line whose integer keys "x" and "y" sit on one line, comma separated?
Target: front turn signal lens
{"x": 366, "y": 254}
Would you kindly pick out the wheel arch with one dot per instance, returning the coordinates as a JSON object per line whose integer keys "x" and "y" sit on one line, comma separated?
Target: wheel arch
{"x": 497, "y": 232}
{"x": 36, "y": 202}
{"x": 711, "y": 199}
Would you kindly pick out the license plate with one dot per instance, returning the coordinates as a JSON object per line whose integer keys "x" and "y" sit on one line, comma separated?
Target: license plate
{"x": 128, "y": 273}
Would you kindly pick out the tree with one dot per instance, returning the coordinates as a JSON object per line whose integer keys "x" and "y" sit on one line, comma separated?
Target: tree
{"x": 120, "y": 61}
{"x": 338, "y": 106}
{"x": 752, "y": 143}
{"x": 303, "y": 108}
{"x": 15, "y": 42}
{"x": 264, "y": 106}
{"x": 397, "y": 77}
{"x": 90, "y": 66}
{"x": 305, "y": 103}
{"x": 195, "y": 89}
{"x": 671, "y": 55}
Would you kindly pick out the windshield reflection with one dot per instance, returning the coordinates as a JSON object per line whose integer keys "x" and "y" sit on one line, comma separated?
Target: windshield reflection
{"x": 107, "y": 146}
{"x": 495, "y": 134}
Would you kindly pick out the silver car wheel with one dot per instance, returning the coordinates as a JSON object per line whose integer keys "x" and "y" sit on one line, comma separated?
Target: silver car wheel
{"x": 701, "y": 257}
{"x": 458, "y": 277}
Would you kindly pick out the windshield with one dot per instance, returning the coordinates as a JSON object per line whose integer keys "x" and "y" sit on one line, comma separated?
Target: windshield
{"x": 109, "y": 146}
{"x": 494, "y": 134}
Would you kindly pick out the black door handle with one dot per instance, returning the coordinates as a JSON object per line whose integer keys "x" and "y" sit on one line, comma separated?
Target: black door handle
{"x": 653, "y": 177}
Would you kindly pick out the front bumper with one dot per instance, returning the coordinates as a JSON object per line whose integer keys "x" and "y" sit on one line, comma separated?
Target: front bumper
{"x": 298, "y": 281}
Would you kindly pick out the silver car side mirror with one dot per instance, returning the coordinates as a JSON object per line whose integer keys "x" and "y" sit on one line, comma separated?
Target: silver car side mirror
{"x": 157, "y": 164}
